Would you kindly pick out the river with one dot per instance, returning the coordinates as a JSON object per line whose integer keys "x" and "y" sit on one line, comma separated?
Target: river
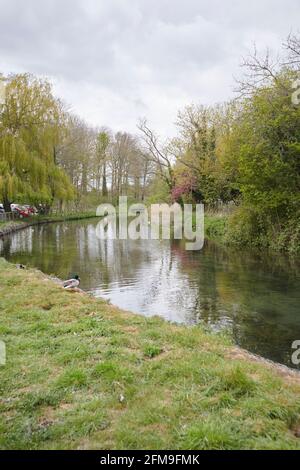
{"x": 253, "y": 295}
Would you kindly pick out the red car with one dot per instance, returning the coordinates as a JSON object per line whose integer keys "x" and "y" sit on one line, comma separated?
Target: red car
{"x": 31, "y": 210}
{"x": 22, "y": 212}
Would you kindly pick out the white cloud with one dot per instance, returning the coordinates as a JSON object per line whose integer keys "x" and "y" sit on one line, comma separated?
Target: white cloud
{"x": 116, "y": 61}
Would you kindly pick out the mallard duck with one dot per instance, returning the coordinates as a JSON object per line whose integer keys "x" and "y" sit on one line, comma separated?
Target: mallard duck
{"x": 72, "y": 283}
{"x": 21, "y": 266}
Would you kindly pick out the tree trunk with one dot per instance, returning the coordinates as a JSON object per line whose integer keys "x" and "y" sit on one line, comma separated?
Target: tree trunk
{"x": 84, "y": 179}
{"x": 6, "y": 205}
{"x": 104, "y": 183}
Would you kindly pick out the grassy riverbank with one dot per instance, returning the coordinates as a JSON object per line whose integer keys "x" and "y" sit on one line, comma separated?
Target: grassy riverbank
{"x": 215, "y": 227}
{"x": 238, "y": 232}
{"x": 83, "y": 374}
{"x": 12, "y": 226}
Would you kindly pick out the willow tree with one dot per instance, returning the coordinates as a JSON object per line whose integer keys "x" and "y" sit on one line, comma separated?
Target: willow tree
{"x": 31, "y": 124}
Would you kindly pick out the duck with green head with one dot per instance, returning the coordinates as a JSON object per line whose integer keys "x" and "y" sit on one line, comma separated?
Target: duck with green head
{"x": 72, "y": 283}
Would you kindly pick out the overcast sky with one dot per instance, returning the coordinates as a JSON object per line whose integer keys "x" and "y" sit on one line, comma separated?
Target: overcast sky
{"x": 114, "y": 61}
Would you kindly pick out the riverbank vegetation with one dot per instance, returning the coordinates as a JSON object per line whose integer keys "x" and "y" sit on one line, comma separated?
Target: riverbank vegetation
{"x": 81, "y": 374}
{"x": 239, "y": 158}
{"x": 18, "y": 224}
{"x": 242, "y": 157}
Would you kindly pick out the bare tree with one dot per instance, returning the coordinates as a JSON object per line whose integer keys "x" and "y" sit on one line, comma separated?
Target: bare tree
{"x": 100, "y": 163}
{"x": 266, "y": 70}
{"x": 260, "y": 71}
{"x": 76, "y": 151}
{"x": 292, "y": 45}
{"x": 161, "y": 157}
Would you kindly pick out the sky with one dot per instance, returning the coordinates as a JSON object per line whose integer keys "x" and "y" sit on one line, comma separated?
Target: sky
{"x": 115, "y": 61}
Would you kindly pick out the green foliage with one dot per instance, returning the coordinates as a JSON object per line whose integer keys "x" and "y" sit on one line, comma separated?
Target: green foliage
{"x": 72, "y": 378}
{"x": 268, "y": 152}
{"x": 151, "y": 351}
{"x": 199, "y": 156}
{"x": 215, "y": 227}
{"x": 247, "y": 226}
{"x": 159, "y": 192}
{"x": 289, "y": 236}
{"x": 31, "y": 122}
{"x": 247, "y": 152}
{"x": 263, "y": 152}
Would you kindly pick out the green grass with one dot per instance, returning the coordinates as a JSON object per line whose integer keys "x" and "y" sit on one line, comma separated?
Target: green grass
{"x": 215, "y": 227}
{"x": 82, "y": 374}
{"x": 13, "y": 223}
{"x": 65, "y": 217}
{"x": 46, "y": 219}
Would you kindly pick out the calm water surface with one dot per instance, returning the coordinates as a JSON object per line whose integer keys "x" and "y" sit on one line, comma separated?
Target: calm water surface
{"x": 254, "y": 295}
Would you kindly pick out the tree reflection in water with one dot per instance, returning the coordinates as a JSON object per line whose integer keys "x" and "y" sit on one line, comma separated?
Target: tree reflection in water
{"x": 253, "y": 294}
